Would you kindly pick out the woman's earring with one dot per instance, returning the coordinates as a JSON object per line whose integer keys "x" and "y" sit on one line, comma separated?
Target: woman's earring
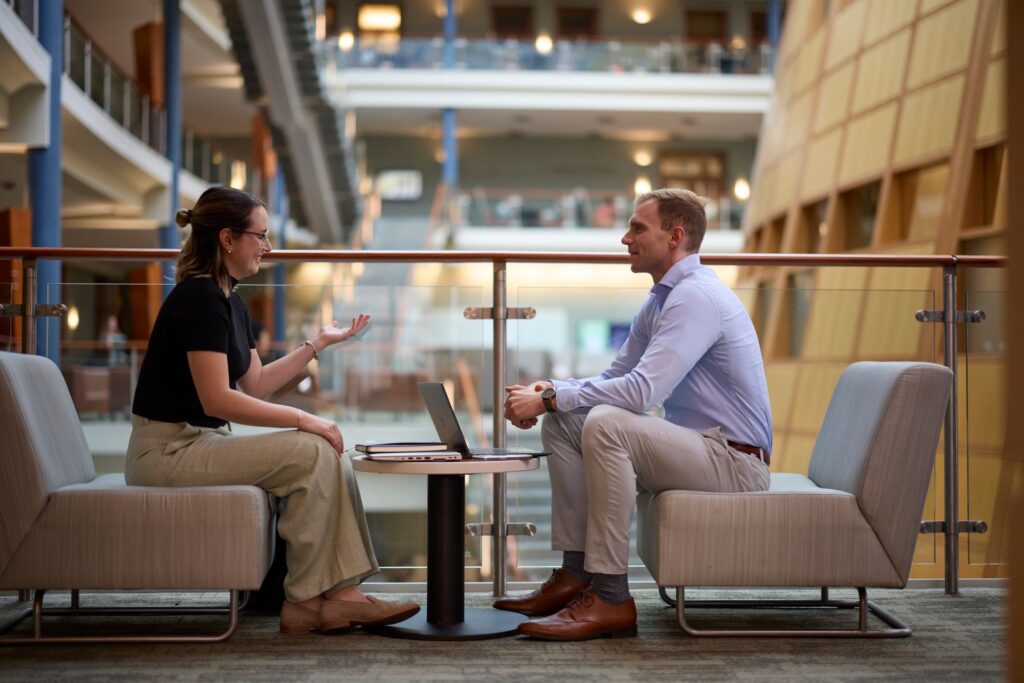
{"x": 229, "y": 251}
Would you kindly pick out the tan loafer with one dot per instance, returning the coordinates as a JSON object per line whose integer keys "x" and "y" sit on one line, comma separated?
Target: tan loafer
{"x": 337, "y": 616}
{"x": 296, "y": 619}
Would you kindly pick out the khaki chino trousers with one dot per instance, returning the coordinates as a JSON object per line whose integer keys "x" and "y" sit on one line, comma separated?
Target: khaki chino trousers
{"x": 600, "y": 460}
{"x": 321, "y": 518}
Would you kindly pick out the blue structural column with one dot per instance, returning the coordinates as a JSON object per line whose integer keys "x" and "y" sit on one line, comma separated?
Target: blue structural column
{"x": 449, "y": 35}
{"x": 450, "y": 168}
{"x": 45, "y": 181}
{"x": 172, "y": 102}
{"x": 774, "y": 23}
{"x": 281, "y": 209}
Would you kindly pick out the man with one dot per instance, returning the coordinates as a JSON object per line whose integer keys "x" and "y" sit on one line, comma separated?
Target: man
{"x": 692, "y": 349}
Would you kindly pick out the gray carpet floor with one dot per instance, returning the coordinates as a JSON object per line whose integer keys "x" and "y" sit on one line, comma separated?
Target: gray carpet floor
{"x": 955, "y": 638}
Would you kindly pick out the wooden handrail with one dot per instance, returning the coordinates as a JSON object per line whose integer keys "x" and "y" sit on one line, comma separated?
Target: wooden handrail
{"x": 424, "y": 256}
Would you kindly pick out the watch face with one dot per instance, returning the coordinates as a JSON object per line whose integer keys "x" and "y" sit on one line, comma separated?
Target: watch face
{"x": 548, "y": 393}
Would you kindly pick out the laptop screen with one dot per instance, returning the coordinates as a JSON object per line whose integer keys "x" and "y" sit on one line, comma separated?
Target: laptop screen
{"x": 443, "y": 415}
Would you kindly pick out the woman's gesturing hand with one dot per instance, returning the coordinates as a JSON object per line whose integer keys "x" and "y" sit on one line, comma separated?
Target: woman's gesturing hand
{"x": 321, "y": 427}
{"x": 332, "y": 334}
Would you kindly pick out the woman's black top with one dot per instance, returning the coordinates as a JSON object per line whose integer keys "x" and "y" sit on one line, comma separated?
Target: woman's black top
{"x": 195, "y": 317}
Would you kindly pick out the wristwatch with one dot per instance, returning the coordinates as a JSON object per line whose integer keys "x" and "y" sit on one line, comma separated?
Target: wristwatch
{"x": 548, "y": 396}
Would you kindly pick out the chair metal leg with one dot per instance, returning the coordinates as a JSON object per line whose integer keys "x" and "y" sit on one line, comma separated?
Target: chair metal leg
{"x": 898, "y": 628}
{"x": 75, "y": 609}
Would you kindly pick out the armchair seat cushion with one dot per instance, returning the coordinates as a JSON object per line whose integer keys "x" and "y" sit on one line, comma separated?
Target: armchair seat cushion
{"x": 106, "y": 535}
{"x": 794, "y": 534}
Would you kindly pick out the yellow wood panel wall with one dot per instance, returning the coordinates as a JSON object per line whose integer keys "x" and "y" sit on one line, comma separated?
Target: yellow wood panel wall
{"x": 928, "y": 122}
{"x": 868, "y": 144}
{"x": 800, "y": 20}
{"x": 992, "y": 120}
{"x": 847, "y": 29}
{"x": 786, "y": 175}
{"x": 798, "y": 122}
{"x": 914, "y": 131}
{"x": 999, "y": 39}
{"x": 885, "y": 16}
{"x": 929, "y": 5}
{"x": 981, "y": 405}
{"x": 805, "y": 69}
{"x": 833, "y": 98}
{"x": 794, "y": 455}
{"x": 781, "y": 384}
{"x": 889, "y": 330}
{"x": 942, "y": 43}
{"x": 881, "y": 70}
{"x": 814, "y": 388}
{"x": 820, "y": 168}
{"x": 835, "y": 313}
{"x": 989, "y": 480}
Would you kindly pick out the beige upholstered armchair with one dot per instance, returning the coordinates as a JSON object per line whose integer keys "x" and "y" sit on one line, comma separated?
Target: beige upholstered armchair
{"x": 64, "y": 528}
{"x": 852, "y": 521}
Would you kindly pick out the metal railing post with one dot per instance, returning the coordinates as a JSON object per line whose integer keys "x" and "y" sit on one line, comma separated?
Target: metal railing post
{"x": 28, "y": 301}
{"x": 951, "y": 437}
{"x": 498, "y": 511}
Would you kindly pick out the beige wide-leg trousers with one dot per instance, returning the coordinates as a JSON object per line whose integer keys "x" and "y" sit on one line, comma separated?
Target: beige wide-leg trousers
{"x": 322, "y": 518}
{"x": 600, "y": 459}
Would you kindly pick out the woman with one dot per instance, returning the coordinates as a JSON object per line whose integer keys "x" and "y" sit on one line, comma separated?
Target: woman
{"x": 202, "y": 371}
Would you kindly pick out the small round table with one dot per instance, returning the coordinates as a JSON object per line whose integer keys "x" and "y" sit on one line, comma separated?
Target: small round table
{"x": 446, "y": 616}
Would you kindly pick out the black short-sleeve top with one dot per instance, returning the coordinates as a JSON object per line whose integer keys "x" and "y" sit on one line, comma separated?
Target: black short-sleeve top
{"x": 196, "y": 316}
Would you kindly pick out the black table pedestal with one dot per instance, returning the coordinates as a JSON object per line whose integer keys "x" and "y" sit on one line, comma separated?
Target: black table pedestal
{"x": 446, "y": 617}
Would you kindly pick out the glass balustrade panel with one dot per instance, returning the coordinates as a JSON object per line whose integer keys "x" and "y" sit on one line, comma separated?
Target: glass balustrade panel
{"x": 563, "y": 55}
{"x": 368, "y": 386}
{"x": 577, "y": 331}
{"x": 988, "y": 477}
{"x": 10, "y": 328}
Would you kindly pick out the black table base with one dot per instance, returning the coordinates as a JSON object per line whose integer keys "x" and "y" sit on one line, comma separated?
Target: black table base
{"x": 477, "y": 624}
{"x": 446, "y": 617}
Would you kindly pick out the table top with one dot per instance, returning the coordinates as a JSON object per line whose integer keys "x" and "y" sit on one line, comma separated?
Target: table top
{"x": 363, "y": 464}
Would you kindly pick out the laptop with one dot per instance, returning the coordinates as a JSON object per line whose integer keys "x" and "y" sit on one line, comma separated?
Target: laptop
{"x": 449, "y": 431}
{"x": 417, "y": 456}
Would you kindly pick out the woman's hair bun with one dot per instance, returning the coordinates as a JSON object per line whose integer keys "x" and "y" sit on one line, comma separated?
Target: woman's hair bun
{"x": 183, "y": 217}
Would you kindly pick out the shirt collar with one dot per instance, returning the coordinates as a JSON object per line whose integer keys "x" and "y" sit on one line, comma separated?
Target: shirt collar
{"x": 679, "y": 270}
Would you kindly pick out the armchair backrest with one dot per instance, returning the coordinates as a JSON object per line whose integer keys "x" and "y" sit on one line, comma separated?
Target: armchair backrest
{"x": 42, "y": 446}
{"x": 878, "y": 442}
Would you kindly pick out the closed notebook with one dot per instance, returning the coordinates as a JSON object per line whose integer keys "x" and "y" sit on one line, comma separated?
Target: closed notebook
{"x": 401, "y": 447}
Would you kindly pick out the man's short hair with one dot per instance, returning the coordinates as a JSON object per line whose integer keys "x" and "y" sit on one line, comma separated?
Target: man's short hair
{"x": 679, "y": 207}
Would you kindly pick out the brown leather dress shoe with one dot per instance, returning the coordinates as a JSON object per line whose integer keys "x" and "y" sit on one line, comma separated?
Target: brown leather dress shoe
{"x": 555, "y": 594}
{"x": 584, "y": 618}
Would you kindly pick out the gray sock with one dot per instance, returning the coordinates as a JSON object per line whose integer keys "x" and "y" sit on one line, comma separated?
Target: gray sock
{"x": 572, "y": 562}
{"x": 611, "y": 588}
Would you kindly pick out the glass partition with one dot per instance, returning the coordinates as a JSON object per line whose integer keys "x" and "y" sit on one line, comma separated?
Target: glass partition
{"x": 368, "y": 386}
{"x": 988, "y": 477}
{"x": 564, "y": 55}
{"x": 825, "y": 319}
{"x": 10, "y": 327}
{"x": 808, "y": 334}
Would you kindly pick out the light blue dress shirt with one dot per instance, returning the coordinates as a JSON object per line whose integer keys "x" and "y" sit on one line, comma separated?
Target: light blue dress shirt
{"x": 693, "y": 349}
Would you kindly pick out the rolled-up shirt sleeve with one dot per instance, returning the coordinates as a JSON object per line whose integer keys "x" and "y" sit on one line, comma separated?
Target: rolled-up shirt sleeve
{"x": 648, "y": 368}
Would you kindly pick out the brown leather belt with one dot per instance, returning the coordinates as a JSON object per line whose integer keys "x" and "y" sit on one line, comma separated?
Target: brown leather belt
{"x": 751, "y": 450}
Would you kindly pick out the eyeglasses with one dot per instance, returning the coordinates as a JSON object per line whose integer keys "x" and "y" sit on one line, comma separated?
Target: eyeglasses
{"x": 263, "y": 236}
